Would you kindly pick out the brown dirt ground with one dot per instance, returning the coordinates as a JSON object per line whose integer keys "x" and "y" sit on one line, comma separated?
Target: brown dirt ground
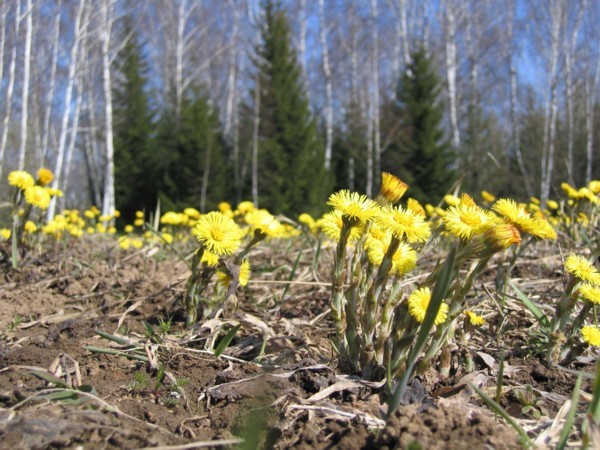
{"x": 54, "y": 304}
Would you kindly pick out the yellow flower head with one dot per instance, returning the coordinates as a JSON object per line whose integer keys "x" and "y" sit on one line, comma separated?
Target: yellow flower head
{"x": 353, "y": 206}
{"x": 124, "y": 242}
{"x": 487, "y": 197}
{"x": 475, "y": 319}
{"x": 415, "y": 207}
{"x": 418, "y": 302}
{"x": 392, "y": 188}
{"x": 245, "y": 207}
{"x": 590, "y": 292}
{"x": 263, "y": 222}
{"x": 30, "y": 227}
{"x": 44, "y": 176}
{"x": 167, "y": 237}
{"x": 404, "y": 260}
{"x": 5, "y": 233}
{"x": 225, "y": 278}
{"x": 55, "y": 192}
{"x": 139, "y": 215}
{"x": 173, "y": 218}
{"x": 552, "y": 204}
{"x": 224, "y": 207}
{"x": 513, "y": 213}
{"x": 451, "y": 200}
{"x": 210, "y": 259}
{"x": 582, "y": 269}
{"x": 501, "y": 237}
{"x": 466, "y": 200}
{"x": 404, "y": 224}
{"x": 128, "y": 228}
{"x": 331, "y": 224}
{"x": 541, "y": 228}
{"x": 37, "y": 196}
{"x": 569, "y": 190}
{"x": 20, "y": 179}
{"x": 138, "y": 222}
{"x": 192, "y": 213}
{"x": 591, "y": 335}
{"x": 465, "y": 221}
{"x": 217, "y": 233}
{"x": 594, "y": 186}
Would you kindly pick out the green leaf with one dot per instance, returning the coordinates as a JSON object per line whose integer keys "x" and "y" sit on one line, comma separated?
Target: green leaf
{"x": 226, "y": 340}
{"x": 531, "y": 306}
{"x": 50, "y": 378}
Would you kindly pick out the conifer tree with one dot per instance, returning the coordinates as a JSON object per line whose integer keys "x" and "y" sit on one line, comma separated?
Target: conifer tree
{"x": 291, "y": 173}
{"x": 427, "y": 166}
{"x": 191, "y": 157}
{"x": 134, "y": 183}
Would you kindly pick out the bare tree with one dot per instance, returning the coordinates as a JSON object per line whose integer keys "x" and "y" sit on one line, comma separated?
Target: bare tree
{"x": 25, "y": 84}
{"x": 11, "y": 84}
{"x": 451, "y": 14}
{"x": 376, "y": 134}
{"x": 328, "y": 85}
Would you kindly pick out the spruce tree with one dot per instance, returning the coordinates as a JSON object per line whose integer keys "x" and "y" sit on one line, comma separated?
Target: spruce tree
{"x": 191, "y": 154}
{"x": 427, "y": 166}
{"x": 133, "y": 125}
{"x": 291, "y": 174}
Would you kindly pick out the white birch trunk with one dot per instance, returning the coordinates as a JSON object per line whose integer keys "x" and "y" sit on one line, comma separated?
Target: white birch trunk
{"x": 255, "y": 136}
{"x": 328, "y": 85}
{"x": 231, "y": 78}
{"x": 11, "y": 86}
{"x": 51, "y": 83}
{"x": 556, "y": 18}
{"x": 302, "y": 47}
{"x": 3, "y": 17}
{"x": 179, "y": 49}
{"x": 25, "y": 85}
{"x": 589, "y": 119}
{"x": 569, "y": 53}
{"x": 108, "y": 200}
{"x": 450, "y": 46}
{"x": 375, "y": 93}
{"x": 60, "y": 153}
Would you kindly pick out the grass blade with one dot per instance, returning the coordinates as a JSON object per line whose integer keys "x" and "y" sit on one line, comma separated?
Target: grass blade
{"x": 497, "y": 409}
{"x": 531, "y": 306}
{"x": 595, "y": 404}
{"x": 110, "y": 337}
{"x": 292, "y": 273}
{"x": 110, "y": 351}
{"x": 226, "y": 340}
{"x": 568, "y": 425}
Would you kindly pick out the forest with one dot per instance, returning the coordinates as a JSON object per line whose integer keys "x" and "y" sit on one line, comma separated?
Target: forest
{"x": 281, "y": 102}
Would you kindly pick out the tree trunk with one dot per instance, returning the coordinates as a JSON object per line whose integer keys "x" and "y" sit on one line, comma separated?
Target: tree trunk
{"x": 25, "y": 85}
{"x": 11, "y": 85}
{"x": 375, "y": 95}
{"x": 450, "y": 45}
{"x": 255, "y": 136}
{"x": 589, "y": 119}
{"x": 328, "y": 85}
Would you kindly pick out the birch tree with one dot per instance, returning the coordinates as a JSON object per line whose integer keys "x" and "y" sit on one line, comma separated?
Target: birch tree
{"x": 451, "y": 16}
{"x": 25, "y": 83}
{"x": 328, "y": 85}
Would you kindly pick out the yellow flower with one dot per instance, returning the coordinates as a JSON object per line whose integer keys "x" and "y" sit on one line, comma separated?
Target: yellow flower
{"x": 124, "y": 243}
{"x": 582, "y": 269}
{"x": 44, "y": 176}
{"x": 245, "y": 207}
{"x": 30, "y": 227}
{"x": 476, "y": 320}
{"x": 418, "y": 302}
{"x": 210, "y": 259}
{"x": 590, "y": 292}
{"x": 466, "y": 221}
{"x": 20, "y": 179}
{"x": 173, "y": 218}
{"x": 167, "y": 237}
{"x": 137, "y": 243}
{"x": 591, "y": 335}
{"x": 224, "y": 207}
{"x": 217, "y": 233}
{"x": 55, "y": 192}
{"x": 466, "y": 200}
{"x": 552, "y": 204}
{"x": 224, "y": 277}
{"x": 139, "y": 214}
{"x": 37, "y": 196}
{"x": 404, "y": 224}
{"x": 535, "y": 200}
{"x": 392, "y": 188}
{"x": 594, "y": 186}
{"x": 192, "y": 213}
{"x": 487, "y": 197}
{"x": 263, "y": 222}
{"x": 451, "y": 200}
{"x": 5, "y": 233}
{"x": 542, "y": 229}
{"x": 117, "y": 213}
{"x": 353, "y": 206}
{"x": 138, "y": 222}
{"x": 112, "y": 230}
{"x": 415, "y": 207}
{"x": 331, "y": 224}
{"x": 404, "y": 260}
{"x": 570, "y": 191}
{"x": 513, "y": 213}
{"x": 128, "y": 228}
{"x": 501, "y": 237}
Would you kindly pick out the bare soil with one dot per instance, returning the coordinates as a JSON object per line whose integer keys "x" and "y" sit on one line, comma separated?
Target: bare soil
{"x": 169, "y": 389}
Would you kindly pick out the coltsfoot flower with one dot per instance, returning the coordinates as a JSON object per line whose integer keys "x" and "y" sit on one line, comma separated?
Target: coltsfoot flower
{"x": 591, "y": 335}
{"x": 418, "y": 302}
{"x": 354, "y": 206}
{"x": 392, "y": 188}
{"x": 20, "y": 179}
{"x": 263, "y": 222}
{"x": 465, "y": 221}
{"x": 37, "y": 196}
{"x": 331, "y": 224}
{"x": 217, "y": 233}
{"x": 44, "y": 176}
{"x": 404, "y": 223}
{"x": 590, "y": 292}
{"x": 582, "y": 269}
{"x": 224, "y": 278}
{"x": 475, "y": 319}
